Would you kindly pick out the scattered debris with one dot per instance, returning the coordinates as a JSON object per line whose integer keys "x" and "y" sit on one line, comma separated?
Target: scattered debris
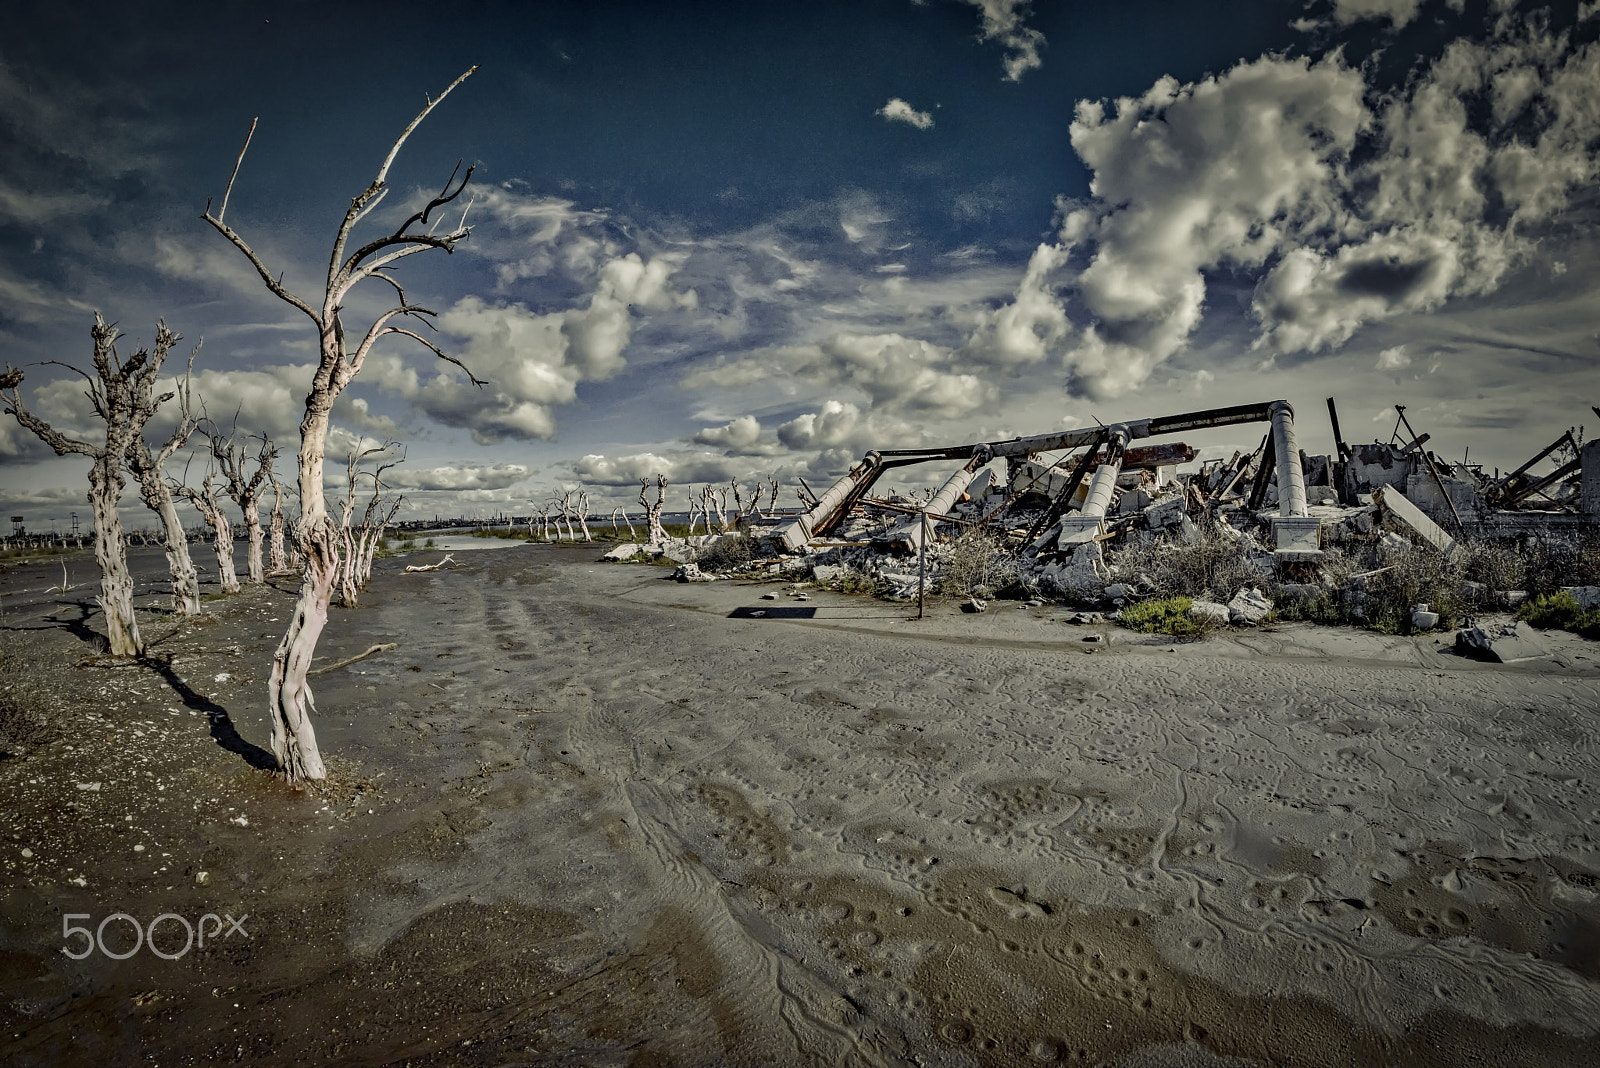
{"x": 430, "y": 567}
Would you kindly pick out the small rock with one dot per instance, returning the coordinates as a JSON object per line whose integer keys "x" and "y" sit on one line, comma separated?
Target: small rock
{"x": 27, "y": 852}
{"x": 972, "y": 604}
{"x": 1422, "y": 618}
{"x": 202, "y": 878}
{"x": 769, "y": 597}
{"x": 1209, "y": 612}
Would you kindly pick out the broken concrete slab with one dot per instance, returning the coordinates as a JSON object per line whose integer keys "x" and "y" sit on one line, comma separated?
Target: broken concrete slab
{"x": 1423, "y": 618}
{"x": 1084, "y": 574}
{"x": 692, "y": 573}
{"x": 1411, "y": 517}
{"x": 1249, "y": 607}
{"x": 1503, "y": 644}
{"x": 624, "y": 552}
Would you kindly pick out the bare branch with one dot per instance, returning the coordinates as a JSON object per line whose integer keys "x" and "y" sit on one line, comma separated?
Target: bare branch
{"x": 437, "y": 351}
{"x": 273, "y": 284}
{"x": 236, "y": 165}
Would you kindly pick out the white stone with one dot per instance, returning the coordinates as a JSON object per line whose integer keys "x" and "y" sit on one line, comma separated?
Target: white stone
{"x": 827, "y": 573}
{"x": 624, "y": 552}
{"x": 1249, "y": 607}
{"x": 1422, "y": 618}
{"x": 1209, "y": 611}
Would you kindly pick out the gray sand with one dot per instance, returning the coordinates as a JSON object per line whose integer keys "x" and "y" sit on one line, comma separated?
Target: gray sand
{"x": 654, "y": 828}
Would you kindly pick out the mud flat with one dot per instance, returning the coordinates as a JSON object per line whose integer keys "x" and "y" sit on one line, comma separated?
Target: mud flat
{"x": 584, "y": 815}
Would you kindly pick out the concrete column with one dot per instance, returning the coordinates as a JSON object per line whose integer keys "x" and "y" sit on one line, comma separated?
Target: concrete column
{"x": 1590, "y": 486}
{"x": 1081, "y": 526}
{"x": 797, "y": 535}
{"x": 909, "y": 537}
{"x": 1291, "y": 480}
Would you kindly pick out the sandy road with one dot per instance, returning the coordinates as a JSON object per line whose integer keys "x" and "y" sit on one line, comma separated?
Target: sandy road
{"x": 619, "y": 820}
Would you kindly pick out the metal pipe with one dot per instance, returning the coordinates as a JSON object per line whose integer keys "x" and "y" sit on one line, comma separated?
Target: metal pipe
{"x": 1291, "y": 479}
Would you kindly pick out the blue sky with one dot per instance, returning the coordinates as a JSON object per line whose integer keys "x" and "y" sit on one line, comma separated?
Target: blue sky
{"x": 732, "y": 240}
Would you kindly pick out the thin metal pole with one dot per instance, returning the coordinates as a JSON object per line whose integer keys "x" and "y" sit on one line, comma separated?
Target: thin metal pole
{"x": 922, "y": 562}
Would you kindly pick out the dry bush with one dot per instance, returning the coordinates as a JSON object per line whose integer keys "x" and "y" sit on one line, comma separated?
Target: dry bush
{"x": 977, "y": 560}
{"x": 1558, "y": 560}
{"x": 731, "y": 552}
{"x": 1414, "y": 575}
{"x": 1213, "y": 567}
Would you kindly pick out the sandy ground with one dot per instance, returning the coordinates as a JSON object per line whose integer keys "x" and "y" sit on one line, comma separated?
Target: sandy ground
{"x": 585, "y": 815}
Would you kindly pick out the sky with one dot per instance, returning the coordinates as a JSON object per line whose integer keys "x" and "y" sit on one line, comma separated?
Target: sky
{"x": 736, "y": 240}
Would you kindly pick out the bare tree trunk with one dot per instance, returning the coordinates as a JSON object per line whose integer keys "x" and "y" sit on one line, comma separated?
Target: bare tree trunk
{"x": 116, "y": 584}
{"x": 157, "y": 497}
{"x": 583, "y": 513}
{"x": 222, "y": 544}
{"x": 276, "y": 560}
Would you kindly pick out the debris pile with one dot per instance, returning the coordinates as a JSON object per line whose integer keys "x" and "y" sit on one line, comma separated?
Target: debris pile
{"x": 1384, "y": 534}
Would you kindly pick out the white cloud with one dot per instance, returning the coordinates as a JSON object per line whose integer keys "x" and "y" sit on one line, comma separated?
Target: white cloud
{"x": 892, "y": 371}
{"x": 897, "y": 110}
{"x": 457, "y": 477}
{"x": 1003, "y": 22}
{"x": 1394, "y": 359}
{"x": 738, "y": 437}
{"x": 534, "y": 362}
{"x": 1349, "y": 207}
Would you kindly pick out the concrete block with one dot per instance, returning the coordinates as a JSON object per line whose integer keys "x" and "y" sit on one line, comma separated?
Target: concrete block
{"x": 1249, "y": 607}
{"x": 1410, "y": 516}
{"x": 1297, "y": 538}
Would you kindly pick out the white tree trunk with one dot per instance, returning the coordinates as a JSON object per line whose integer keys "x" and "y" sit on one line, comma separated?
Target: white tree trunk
{"x": 116, "y": 584}
{"x": 252, "y": 526}
{"x": 222, "y": 544}
{"x": 185, "y": 579}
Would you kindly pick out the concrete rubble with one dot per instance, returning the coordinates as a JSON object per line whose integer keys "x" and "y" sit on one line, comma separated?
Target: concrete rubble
{"x": 1087, "y": 516}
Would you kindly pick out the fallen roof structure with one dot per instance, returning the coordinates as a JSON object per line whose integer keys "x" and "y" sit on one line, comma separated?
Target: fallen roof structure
{"x": 1295, "y": 532}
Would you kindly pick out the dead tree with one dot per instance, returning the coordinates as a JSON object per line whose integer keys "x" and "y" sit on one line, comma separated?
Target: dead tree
{"x": 582, "y": 512}
{"x": 718, "y": 499}
{"x": 652, "y": 512}
{"x": 564, "y": 502}
{"x": 772, "y": 500}
{"x": 624, "y": 514}
{"x": 277, "y": 561}
{"x": 115, "y": 392}
{"x": 245, "y": 491}
{"x": 340, "y": 357}
{"x": 695, "y": 512}
{"x": 149, "y": 469}
{"x": 741, "y": 508}
{"x": 206, "y": 503}
{"x": 380, "y": 512}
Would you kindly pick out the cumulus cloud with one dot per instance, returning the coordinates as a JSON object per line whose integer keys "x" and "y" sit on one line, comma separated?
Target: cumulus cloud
{"x": 897, "y": 110}
{"x": 534, "y": 361}
{"x": 1346, "y": 205}
{"x": 457, "y": 477}
{"x": 1003, "y": 22}
{"x": 1394, "y": 359}
{"x": 738, "y": 437}
{"x": 894, "y": 373}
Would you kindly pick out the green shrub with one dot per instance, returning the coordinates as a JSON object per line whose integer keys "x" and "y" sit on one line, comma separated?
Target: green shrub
{"x": 1551, "y": 611}
{"x": 1167, "y": 615}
